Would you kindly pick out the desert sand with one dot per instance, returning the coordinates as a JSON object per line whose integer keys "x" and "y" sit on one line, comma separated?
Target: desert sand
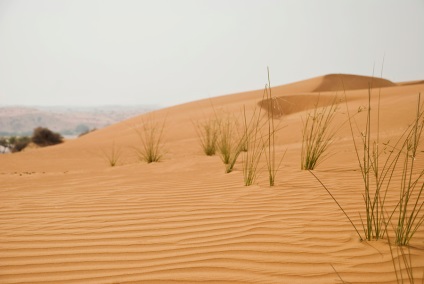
{"x": 66, "y": 216}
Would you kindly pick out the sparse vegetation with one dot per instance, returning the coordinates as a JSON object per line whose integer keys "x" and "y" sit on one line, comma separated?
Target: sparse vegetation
{"x": 317, "y": 135}
{"x": 151, "y": 137}
{"x": 207, "y": 132}
{"x": 254, "y": 146}
{"x": 20, "y": 143}
{"x": 4, "y": 142}
{"x": 45, "y": 137}
{"x": 377, "y": 178}
{"x": 112, "y": 155}
{"x": 410, "y": 216}
{"x": 258, "y": 139}
{"x": 229, "y": 142}
{"x": 41, "y": 137}
{"x": 270, "y": 154}
{"x": 14, "y": 143}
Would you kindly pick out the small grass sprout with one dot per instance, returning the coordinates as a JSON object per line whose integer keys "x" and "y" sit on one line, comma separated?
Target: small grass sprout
{"x": 112, "y": 155}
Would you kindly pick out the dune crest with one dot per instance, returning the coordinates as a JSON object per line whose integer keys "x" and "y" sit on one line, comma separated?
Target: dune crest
{"x": 340, "y": 82}
{"x": 319, "y": 91}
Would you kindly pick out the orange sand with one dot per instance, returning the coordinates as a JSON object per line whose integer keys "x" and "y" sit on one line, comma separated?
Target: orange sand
{"x": 67, "y": 217}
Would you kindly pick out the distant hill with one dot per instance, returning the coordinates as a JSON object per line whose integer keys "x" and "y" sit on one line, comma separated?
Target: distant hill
{"x": 69, "y": 121}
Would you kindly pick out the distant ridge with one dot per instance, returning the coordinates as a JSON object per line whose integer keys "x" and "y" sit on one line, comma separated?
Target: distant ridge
{"x": 288, "y": 101}
{"x": 69, "y": 121}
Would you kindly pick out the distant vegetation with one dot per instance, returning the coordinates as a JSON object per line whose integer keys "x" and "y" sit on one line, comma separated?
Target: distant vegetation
{"x": 13, "y": 144}
{"x": 41, "y": 137}
{"x": 68, "y": 121}
{"x": 45, "y": 137}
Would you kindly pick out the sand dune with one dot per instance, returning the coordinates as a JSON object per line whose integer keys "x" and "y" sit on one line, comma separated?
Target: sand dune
{"x": 66, "y": 216}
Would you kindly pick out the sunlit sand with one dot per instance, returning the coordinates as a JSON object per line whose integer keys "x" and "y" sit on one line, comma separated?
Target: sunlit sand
{"x": 66, "y": 216}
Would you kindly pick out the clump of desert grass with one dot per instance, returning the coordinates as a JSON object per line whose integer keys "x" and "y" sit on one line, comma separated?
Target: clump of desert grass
{"x": 208, "y": 134}
{"x": 229, "y": 141}
{"x": 272, "y": 162}
{"x": 112, "y": 155}
{"x": 254, "y": 145}
{"x": 151, "y": 134}
{"x": 259, "y": 139}
{"x": 410, "y": 216}
{"x": 317, "y": 135}
{"x": 377, "y": 163}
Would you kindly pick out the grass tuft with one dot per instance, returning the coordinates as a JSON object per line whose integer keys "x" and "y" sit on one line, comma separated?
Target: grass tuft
{"x": 270, "y": 152}
{"x": 113, "y": 155}
{"x": 377, "y": 177}
{"x": 229, "y": 142}
{"x": 151, "y": 137}
{"x": 207, "y": 132}
{"x": 254, "y": 146}
{"x": 317, "y": 135}
{"x": 410, "y": 216}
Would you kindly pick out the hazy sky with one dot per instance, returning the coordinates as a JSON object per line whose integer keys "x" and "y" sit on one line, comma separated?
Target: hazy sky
{"x": 86, "y": 52}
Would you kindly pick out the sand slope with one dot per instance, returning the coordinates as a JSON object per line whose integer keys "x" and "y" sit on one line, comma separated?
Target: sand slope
{"x": 67, "y": 217}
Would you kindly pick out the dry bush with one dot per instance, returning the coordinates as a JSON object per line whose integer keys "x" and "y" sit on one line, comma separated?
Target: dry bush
{"x": 45, "y": 137}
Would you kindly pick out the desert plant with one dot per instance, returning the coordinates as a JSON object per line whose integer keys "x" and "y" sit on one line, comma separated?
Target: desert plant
{"x": 270, "y": 153}
{"x": 207, "y": 131}
{"x": 253, "y": 144}
{"x": 374, "y": 227}
{"x": 229, "y": 142}
{"x": 151, "y": 136}
{"x": 19, "y": 143}
{"x": 45, "y": 137}
{"x": 112, "y": 155}
{"x": 5, "y": 144}
{"x": 317, "y": 135}
{"x": 410, "y": 216}
{"x": 378, "y": 177}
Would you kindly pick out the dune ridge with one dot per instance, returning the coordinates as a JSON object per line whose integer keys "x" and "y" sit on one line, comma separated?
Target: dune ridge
{"x": 67, "y": 217}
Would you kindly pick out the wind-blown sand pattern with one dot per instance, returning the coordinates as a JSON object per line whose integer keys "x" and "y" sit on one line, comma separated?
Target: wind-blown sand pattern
{"x": 66, "y": 216}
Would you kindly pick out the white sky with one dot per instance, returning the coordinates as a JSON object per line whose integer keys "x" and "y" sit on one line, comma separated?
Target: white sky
{"x": 86, "y": 52}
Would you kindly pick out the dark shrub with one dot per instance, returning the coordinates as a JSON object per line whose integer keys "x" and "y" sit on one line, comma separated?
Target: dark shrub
{"x": 45, "y": 137}
{"x": 4, "y": 142}
{"x": 20, "y": 143}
